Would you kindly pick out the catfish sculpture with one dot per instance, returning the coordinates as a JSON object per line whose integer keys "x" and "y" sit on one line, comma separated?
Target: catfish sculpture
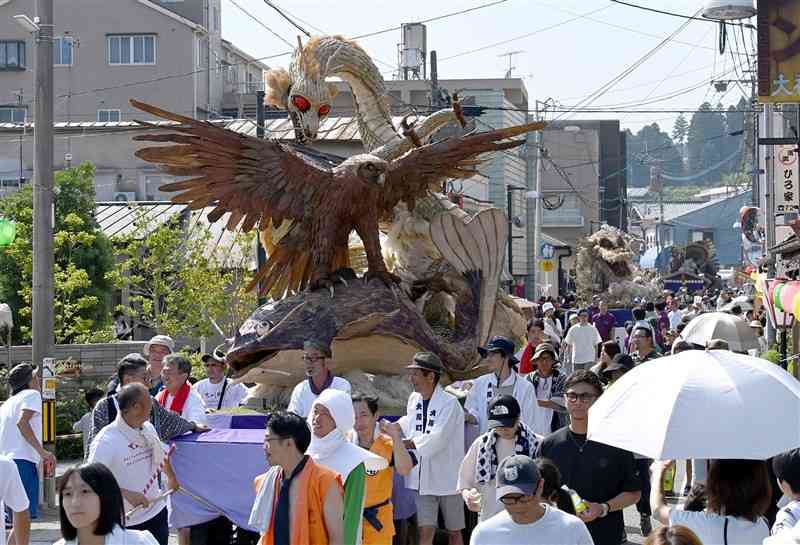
{"x": 373, "y": 311}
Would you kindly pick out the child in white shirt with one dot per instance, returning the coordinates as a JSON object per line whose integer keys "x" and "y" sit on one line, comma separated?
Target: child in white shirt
{"x": 787, "y": 471}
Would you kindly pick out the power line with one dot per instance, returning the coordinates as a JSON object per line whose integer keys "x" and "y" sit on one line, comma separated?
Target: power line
{"x": 257, "y": 20}
{"x": 650, "y": 82}
{"x": 673, "y": 14}
{"x": 432, "y": 19}
{"x": 625, "y": 73}
{"x": 626, "y": 28}
{"x": 282, "y": 14}
{"x": 303, "y": 21}
{"x": 521, "y": 36}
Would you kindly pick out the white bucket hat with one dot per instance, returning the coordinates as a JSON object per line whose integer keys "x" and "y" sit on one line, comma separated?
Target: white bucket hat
{"x": 162, "y": 340}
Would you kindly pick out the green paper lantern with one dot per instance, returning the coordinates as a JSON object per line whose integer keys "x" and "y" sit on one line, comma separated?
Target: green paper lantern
{"x": 8, "y": 232}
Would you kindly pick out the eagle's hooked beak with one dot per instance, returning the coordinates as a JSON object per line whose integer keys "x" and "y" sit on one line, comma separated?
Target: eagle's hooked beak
{"x": 381, "y": 179}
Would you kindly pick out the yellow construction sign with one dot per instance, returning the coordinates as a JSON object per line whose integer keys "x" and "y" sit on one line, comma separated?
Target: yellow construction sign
{"x": 778, "y": 51}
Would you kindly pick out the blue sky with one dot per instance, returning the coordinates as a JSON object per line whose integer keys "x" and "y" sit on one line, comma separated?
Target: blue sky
{"x": 568, "y": 56}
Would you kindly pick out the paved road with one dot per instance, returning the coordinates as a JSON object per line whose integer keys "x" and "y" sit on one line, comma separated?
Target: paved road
{"x": 46, "y": 532}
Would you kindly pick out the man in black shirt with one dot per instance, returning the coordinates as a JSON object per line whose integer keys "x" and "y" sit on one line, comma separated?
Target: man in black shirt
{"x": 604, "y": 476}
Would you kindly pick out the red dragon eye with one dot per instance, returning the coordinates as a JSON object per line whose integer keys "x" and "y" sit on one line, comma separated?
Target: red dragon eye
{"x": 301, "y": 103}
{"x": 324, "y": 110}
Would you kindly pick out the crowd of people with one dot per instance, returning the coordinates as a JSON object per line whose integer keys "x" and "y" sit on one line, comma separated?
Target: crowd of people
{"x": 501, "y": 459}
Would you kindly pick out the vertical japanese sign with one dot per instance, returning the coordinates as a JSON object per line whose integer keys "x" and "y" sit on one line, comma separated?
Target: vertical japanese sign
{"x": 778, "y": 51}
{"x": 787, "y": 200}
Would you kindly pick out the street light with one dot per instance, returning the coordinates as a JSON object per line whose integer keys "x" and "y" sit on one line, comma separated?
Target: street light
{"x": 25, "y": 22}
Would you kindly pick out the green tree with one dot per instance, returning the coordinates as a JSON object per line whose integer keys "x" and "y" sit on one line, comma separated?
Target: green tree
{"x": 680, "y": 130}
{"x": 705, "y": 144}
{"x": 83, "y": 258}
{"x": 649, "y": 146}
{"x": 180, "y": 282}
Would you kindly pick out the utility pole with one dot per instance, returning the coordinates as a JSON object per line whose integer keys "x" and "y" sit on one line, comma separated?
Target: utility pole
{"x": 42, "y": 311}
{"x": 657, "y": 185}
{"x": 43, "y": 212}
{"x": 537, "y": 220}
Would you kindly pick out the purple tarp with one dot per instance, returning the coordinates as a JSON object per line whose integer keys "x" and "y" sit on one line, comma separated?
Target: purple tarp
{"x": 218, "y": 466}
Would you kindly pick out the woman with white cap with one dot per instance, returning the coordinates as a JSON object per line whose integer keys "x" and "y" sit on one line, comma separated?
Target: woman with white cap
{"x": 552, "y": 325}
{"x": 332, "y": 420}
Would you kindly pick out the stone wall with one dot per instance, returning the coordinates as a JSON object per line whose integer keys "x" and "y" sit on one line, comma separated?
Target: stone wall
{"x": 96, "y": 362}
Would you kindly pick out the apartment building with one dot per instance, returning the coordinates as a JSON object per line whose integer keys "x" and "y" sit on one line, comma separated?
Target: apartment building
{"x": 166, "y": 52}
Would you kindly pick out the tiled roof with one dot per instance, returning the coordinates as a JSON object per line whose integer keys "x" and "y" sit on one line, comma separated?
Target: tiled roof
{"x": 331, "y": 128}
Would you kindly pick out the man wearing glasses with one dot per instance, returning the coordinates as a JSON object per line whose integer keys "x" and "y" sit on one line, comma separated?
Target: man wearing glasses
{"x": 645, "y": 348}
{"x": 526, "y": 516}
{"x": 316, "y": 356}
{"x": 604, "y": 476}
{"x": 297, "y": 501}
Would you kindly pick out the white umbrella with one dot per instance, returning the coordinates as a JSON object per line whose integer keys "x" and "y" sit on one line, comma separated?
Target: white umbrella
{"x": 743, "y": 302}
{"x": 718, "y": 325}
{"x": 700, "y": 404}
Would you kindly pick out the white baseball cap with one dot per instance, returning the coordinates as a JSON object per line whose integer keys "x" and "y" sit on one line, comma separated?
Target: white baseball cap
{"x": 162, "y": 340}
{"x": 547, "y": 306}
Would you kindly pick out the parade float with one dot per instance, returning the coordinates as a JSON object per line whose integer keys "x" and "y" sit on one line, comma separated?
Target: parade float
{"x": 430, "y": 273}
{"x": 692, "y": 267}
{"x": 605, "y": 266}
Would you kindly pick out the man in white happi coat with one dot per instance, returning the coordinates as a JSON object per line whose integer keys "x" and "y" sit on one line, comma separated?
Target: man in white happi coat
{"x": 502, "y": 379}
{"x": 434, "y": 430}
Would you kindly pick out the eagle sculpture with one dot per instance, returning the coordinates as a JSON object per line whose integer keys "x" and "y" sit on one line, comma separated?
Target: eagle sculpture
{"x": 263, "y": 182}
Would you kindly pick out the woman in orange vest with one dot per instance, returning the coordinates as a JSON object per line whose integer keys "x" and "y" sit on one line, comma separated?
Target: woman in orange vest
{"x": 378, "y": 524}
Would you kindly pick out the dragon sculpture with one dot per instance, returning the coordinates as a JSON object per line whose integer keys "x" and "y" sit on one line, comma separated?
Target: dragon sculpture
{"x": 605, "y": 266}
{"x": 304, "y": 92}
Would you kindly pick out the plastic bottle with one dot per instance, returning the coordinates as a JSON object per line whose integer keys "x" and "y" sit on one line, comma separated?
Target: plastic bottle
{"x": 668, "y": 480}
{"x": 578, "y": 503}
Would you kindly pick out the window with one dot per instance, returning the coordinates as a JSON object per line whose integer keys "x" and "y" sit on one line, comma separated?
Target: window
{"x": 231, "y": 73}
{"x": 108, "y": 116}
{"x": 62, "y": 51}
{"x": 12, "y": 55}
{"x": 700, "y": 236}
{"x": 12, "y": 115}
{"x": 132, "y": 49}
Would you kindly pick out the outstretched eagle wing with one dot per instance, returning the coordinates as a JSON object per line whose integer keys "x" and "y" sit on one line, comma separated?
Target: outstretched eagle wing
{"x": 255, "y": 180}
{"x": 423, "y": 169}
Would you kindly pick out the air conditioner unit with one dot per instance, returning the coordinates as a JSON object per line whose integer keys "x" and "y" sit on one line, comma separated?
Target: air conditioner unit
{"x": 124, "y": 196}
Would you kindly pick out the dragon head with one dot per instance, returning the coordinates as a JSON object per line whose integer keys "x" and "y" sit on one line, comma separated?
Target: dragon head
{"x": 302, "y": 91}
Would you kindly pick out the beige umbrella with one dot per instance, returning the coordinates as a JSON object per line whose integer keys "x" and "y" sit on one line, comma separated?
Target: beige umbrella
{"x": 719, "y": 325}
